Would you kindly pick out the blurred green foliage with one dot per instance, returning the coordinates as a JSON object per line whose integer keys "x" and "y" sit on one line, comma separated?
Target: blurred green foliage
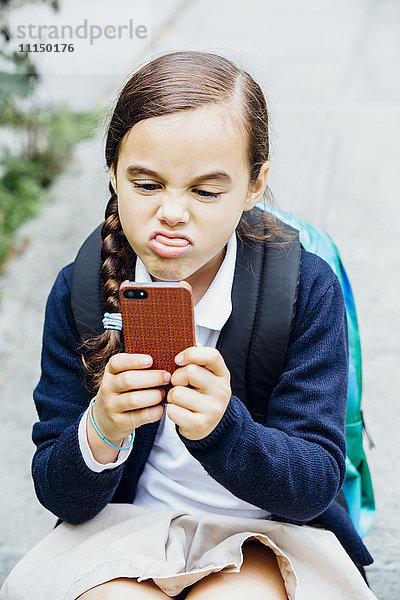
{"x": 45, "y": 137}
{"x": 21, "y": 75}
{"x": 49, "y": 138}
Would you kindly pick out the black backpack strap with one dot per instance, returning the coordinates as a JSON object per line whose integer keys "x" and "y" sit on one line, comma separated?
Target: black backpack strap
{"x": 254, "y": 340}
{"x": 86, "y": 287}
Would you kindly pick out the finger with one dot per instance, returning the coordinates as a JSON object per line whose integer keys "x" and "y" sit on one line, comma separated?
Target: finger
{"x": 194, "y": 375}
{"x": 185, "y": 398}
{"x": 137, "y": 380}
{"x": 138, "y": 400}
{"x": 124, "y": 362}
{"x": 181, "y": 416}
{"x": 146, "y": 415}
{"x": 210, "y": 358}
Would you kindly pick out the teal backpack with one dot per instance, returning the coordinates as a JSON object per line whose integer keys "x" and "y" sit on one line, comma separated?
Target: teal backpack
{"x": 357, "y": 488}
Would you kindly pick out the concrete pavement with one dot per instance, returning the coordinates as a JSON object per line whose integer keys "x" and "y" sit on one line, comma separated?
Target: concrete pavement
{"x": 328, "y": 73}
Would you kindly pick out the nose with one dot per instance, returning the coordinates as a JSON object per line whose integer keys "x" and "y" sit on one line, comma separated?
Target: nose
{"x": 173, "y": 210}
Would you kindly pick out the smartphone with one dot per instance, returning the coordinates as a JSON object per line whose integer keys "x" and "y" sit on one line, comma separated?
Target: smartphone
{"x": 157, "y": 319}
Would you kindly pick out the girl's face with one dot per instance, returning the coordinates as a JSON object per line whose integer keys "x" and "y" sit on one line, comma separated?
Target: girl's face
{"x": 182, "y": 182}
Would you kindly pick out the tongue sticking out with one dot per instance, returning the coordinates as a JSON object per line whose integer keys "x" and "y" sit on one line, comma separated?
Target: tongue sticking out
{"x": 170, "y": 247}
{"x": 177, "y": 242}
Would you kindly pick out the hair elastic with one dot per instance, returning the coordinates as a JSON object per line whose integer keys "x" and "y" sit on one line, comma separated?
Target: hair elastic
{"x": 112, "y": 321}
{"x": 102, "y": 436}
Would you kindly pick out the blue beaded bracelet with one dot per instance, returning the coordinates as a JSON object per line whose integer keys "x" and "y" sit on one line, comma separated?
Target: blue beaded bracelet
{"x": 97, "y": 430}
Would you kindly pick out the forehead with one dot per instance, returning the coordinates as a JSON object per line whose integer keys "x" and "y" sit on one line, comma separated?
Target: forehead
{"x": 187, "y": 138}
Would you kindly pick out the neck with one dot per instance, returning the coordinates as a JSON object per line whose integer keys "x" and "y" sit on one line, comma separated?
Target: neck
{"x": 203, "y": 278}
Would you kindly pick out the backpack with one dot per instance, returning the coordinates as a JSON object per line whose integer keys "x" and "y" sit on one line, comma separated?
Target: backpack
{"x": 259, "y": 343}
{"x": 357, "y": 488}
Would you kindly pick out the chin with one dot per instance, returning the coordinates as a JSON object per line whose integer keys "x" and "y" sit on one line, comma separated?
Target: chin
{"x": 168, "y": 274}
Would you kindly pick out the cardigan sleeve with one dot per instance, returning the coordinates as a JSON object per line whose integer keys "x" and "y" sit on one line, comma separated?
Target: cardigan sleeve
{"x": 294, "y": 465}
{"x": 64, "y": 484}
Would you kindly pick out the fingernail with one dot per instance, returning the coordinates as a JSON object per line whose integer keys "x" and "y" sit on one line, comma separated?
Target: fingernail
{"x": 154, "y": 413}
{"x": 167, "y": 377}
{"x": 179, "y": 358}
{"x": 145, "y": 360}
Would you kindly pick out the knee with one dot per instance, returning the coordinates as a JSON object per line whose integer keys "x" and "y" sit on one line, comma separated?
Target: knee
{"x": 259, "y": 577}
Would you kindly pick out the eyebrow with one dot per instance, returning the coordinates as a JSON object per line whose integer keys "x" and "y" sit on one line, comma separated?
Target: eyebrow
{"x": 133, "y": 170}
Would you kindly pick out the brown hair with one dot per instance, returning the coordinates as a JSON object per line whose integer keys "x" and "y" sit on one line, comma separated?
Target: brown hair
{"x": 168, "y": 84}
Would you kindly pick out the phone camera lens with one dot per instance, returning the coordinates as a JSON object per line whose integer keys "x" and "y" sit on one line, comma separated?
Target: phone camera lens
{"x": 135, "y": 294}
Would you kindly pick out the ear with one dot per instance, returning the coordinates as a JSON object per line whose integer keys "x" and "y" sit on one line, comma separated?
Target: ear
{"x": 257, "y": 190}
{"x": 113, "y": 178}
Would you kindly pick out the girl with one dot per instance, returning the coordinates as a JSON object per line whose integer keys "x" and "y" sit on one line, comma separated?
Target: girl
{"x": 189, "y": 497}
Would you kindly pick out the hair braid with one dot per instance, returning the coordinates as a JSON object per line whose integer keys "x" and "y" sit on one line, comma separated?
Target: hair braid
{"x": 117, "y": 261}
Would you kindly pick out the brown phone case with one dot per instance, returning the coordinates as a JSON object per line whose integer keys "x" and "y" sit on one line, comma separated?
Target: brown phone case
{"x": 160, "y": 324}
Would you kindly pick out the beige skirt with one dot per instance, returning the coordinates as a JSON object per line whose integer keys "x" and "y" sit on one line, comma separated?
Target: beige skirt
{"x": 175, "y": 550}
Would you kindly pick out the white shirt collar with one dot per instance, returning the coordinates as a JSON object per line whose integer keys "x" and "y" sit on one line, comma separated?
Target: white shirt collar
{"x": 213, "y": 309}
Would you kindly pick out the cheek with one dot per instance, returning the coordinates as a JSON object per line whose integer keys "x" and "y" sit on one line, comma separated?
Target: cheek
{"x": 130, "y": 222}
{"x": 224, "y": 223}
{"x": 130, "y": 208}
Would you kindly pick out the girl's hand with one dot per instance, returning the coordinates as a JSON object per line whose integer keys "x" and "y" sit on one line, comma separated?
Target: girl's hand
{"x": 197, "y": 410}
{"x": 129, "y": 396}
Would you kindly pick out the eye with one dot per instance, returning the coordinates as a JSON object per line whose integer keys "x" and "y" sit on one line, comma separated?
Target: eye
{"x": 147, "y": 187}
{"x": 205, "y": 194}
{"x": 152, "y": 187}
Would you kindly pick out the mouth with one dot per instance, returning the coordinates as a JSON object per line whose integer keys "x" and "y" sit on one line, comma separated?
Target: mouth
{"x": 170, "y": 245}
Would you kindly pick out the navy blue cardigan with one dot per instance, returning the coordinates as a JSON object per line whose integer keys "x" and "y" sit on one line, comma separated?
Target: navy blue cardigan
{"x": 293, "y": 467}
